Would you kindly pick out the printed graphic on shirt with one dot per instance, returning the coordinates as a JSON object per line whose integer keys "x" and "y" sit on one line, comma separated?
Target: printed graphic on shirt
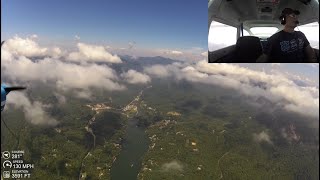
{"x": 285, "y": 46}
{"x": 300, "y": 43}
{"x": 291, "y": 46}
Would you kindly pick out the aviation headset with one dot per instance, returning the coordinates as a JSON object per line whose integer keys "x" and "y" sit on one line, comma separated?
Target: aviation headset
{"x": 286, "y": 12}
{"x": 283, "y": 20}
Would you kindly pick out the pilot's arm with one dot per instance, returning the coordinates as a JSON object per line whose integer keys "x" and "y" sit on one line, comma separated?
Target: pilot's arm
{"x": 310, "y": 54}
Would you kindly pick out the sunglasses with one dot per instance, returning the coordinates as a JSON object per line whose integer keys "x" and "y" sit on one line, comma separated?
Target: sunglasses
{"x": 293, "y": 15}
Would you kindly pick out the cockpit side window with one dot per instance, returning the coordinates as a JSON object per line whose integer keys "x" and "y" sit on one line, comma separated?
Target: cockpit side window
{"x": 311, "y": 31}
{"x": 221, "y": 36}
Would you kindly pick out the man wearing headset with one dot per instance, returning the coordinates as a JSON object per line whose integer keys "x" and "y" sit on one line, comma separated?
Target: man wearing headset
{"x": 288, "y": 45}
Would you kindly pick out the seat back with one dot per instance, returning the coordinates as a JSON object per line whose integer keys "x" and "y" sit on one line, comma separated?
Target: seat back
{"x": 248, "y": 49}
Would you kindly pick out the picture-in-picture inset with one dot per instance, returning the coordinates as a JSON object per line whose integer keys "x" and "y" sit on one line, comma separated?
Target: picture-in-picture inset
{"x": 276, "y": 31}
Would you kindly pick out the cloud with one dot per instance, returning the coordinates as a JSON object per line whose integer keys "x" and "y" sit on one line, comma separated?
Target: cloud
{"x": 291, "y": 92}
{"x": 314, "y": 91}
{"x": 64, "y": 75}
{"x": 173, "y": 52}
{"x": 290, "y": 134}
{"x": 277, "y": 88}
{"x": 56, "y": 52}
{"x": 314, "y": 65}
{"x": 164, "y": 71}
{"x": 205, "y": 54}
{"x": 92, "y": 53}
{"x": 84, "y": 94}
{"x": 61, "y": 99}
{"x": 77, "y": 38}
{"x": 176, "y": 52}
{"x": 134, "y": 77}
{"x": 298, "y": 79}
{"x": 262, "y": 136}
{"x": 28, "y": 47}
{"x": 108, "y": 47}
{"x": 186, "y": 55}
{"x": 34, "y": 111}
{"x": 34, "y": 36}
{"x": 172, "y": 166}
{"x": 191, "y": 74}
{"x": 131, "y": 44}
{"x": 24, "y": 47}
{"x": 157, "y": 70}
{"x": 85, "y": 76}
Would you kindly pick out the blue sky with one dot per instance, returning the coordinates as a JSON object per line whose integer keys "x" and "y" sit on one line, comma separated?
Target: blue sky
{"x": 150, "y": 23}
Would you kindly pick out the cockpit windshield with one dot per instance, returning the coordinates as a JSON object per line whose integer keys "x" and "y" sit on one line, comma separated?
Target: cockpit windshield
{"x": 263, "y": 32}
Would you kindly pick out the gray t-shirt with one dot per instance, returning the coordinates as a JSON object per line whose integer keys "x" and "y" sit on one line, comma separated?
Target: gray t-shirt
{"x": 287, "y": 47}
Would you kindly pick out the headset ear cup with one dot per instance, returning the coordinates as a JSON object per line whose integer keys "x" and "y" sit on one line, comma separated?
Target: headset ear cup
{"x": 283, "y": 20}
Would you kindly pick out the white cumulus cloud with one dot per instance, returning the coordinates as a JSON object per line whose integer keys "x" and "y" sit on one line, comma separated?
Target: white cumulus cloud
{"x": 64, "y": 75}
{"x": 77, "y": 38}
{"x": 172, "y": 52}
{"x": 24, "y": 47}
{"x": 277, "y": 88}
{"x": 157, "y": 70}
{"x": 93, "y": 53}
{"x": 134, "y": 77}
{"x": 205, "y": 54}
{"x": 172, "y": 166}
{"x": 262, "y": 136}
{"x": 34, "y": 111}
